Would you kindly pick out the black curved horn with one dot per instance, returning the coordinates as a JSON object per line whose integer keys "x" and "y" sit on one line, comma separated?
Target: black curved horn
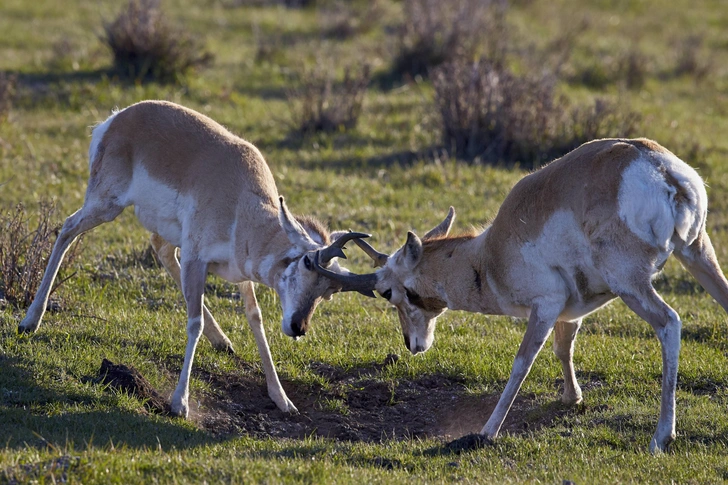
{"x": 363, "y": 283}
{"x": 335, "y": 249}
{"x": 380, "y": 259}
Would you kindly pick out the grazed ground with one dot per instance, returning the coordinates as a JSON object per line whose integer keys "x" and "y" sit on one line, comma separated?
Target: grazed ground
{"x": 367, "y": 407}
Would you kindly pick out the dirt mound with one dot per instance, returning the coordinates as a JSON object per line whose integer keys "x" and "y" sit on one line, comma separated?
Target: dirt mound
{"x": 354, "y": 405}
{"x": 130, "y": 380}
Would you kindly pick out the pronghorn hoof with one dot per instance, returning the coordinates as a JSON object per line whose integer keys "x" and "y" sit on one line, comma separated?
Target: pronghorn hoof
{"x": 661, "y": 446}
{"x": 180, "y": 410}
{"x": 24, "y": 330}
{"x": 288, "y": 407}
{"x": 571, "y": 400}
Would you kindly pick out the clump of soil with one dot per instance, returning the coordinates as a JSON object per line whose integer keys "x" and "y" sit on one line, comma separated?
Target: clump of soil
{"x": 130, "y": 380}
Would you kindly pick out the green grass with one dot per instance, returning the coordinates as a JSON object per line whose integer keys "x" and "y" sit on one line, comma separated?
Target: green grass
{"x": 55, "y": 422}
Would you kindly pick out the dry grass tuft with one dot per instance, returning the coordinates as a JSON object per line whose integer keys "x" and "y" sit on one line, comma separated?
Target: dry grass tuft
{"x": 24, "y": 252}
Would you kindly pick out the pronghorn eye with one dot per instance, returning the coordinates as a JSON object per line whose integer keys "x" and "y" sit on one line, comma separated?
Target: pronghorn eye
{"x": 307, "y": 262}
{"x": 387, "y": 294}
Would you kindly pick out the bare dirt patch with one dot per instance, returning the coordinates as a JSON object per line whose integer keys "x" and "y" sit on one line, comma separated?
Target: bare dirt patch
{"x": 358, "y": 405}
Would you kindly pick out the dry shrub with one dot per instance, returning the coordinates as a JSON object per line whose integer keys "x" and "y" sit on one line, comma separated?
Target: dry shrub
{"x": 268, "y": 3}
{"x": 8, "y": 83}
{"x": 24, "y": 252}
{"x": 343, "y": 20}
{"x": 490, "y": 114}
{"x": 320, "y": 103}
{"x": 438, "y": 31}
{"x": 628, "y": 69}
{"x": 145, "y": 46}
{"x": 689, "y": 62}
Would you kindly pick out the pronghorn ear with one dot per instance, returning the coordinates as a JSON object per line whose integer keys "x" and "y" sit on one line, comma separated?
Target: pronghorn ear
{"x": 295, "y": 232}
{"x": 442, "y": 229}
{"x": 412, "y": 250}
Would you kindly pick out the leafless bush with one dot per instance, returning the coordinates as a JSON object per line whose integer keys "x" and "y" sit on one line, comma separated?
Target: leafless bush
{"x": 436, "y": 32}
{"x": 490, "y": 114}
{"x": 7, "y": 93}
{"x": 633, "y": 67}
{"x": 268, "y": 3}
{"x": 343, "y": 20}
{"x": 628, "y": 69}
{"x": 24, "y": 252}
{"x": 689, "y": 61}
{"x": 320, "y": 103}
{"x": 145, "y": 46}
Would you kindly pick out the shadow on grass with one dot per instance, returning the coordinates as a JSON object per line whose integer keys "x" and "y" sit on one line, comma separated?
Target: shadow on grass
{"x": 84, "y": 429}
{"x": 36, "y": 416}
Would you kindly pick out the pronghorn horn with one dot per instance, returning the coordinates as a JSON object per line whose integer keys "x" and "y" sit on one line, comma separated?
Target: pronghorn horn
{"x": 335, "y": 249}
{"x": 442, "y": 229}
{"x": 363, "y": 283}
{"x": 380, "y": 259}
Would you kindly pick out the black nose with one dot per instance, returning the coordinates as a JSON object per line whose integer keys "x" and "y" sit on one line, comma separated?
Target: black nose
{"x": 419, "y": 348}
{"x": 297, "y": 330}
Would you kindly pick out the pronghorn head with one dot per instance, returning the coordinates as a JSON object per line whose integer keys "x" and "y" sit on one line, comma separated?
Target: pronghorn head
{"x": 403, "y": 280}
{"x": 299, "y": 285}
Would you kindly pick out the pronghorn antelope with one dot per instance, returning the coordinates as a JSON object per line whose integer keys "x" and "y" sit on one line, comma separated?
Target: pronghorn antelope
{"x": 594, "y": 225}
{"x": 198, "y": 187}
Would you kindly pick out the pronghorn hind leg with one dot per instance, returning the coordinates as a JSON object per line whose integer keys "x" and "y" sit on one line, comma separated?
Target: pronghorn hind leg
{"x": 83, "y": 220}
{"x": 540, "y": 323}
{"x": 699, "y": 259}
{"x": 652, "y": 308}
{"x": 255, "y": 320}
{"x": 564, "y": 337}
{"x": 632, "y": 283}
{"x": 167, "y": 254}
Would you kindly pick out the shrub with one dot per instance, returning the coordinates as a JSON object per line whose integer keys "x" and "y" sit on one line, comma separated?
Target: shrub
{"x": 24, "y": 252}
{"x": 436, "y": 32}
{"x": 345, "y": 20}
{"x": 490, "y": 114}
{"x": 322, "y": 104}
{"x": 146, "y": 47}
{"x": 688, "y": 58}
{"x": 629, "y": 68}
{"x": 7, "y": 93}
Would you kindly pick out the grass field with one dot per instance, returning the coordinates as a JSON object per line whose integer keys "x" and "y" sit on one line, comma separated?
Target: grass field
{"x": 366, "y": 416}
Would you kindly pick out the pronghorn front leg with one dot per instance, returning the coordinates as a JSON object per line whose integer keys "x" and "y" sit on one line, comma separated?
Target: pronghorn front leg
{"x": 167, "y": 254}
{"x": 255, "y": 320}
{"x": 540, "y": 323}
{"x": 564, "y": 337}
{"x": 194, "y": 273}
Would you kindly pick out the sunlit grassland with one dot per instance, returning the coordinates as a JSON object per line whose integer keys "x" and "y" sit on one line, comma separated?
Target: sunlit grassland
{"x": 369, "y": 180}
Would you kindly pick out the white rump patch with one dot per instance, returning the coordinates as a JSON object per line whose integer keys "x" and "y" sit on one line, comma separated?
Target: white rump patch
{"x": 690, "y": 217}
{"x": 97, "y": 135}
{"x": 648, "y": 204}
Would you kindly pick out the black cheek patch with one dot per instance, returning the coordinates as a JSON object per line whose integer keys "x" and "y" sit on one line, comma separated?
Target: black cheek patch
{"x": 434, "y": 305}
